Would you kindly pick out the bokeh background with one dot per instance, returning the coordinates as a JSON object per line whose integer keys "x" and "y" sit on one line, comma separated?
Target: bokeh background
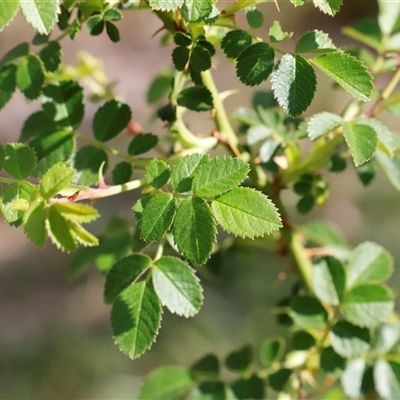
{"x": 55, "y": 335}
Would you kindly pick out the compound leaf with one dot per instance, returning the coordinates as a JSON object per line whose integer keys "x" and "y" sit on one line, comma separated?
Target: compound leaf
{"x": 294, "y": 83}
{"x": 177, "y": 286}
{"x": 20, "y": 160}
{"x": 42, "y": 15}
{"x": 219, "y": 175}
{"x": 322, "y": 123}
{"x": 352, "y": 377}
{"x": 194, "y": 230}
{"x": 234, "y": 42}
{"x": 233, "y": 212}
{"x": 123, "y": 273}
{"x": 271, "y": 351}
{"x": 136, "y": 319}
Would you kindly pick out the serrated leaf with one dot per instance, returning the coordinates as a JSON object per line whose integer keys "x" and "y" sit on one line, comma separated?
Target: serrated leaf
{"x": 352, "y": 377}
{"x": 157, "y": 216}
{"x": 307, "y": 312}
{"x": 51, "y": 56}
{"x": 13, "y": 192}
{"x": 110, "y": 119}
{"x": 167, "y": 383}
{"x": 271, "y": 351}
{"x": 367, "y": 305}
{"x": 7, "y": 83}
{"x": 196, "y": 98}
{"x": 387, "y": 379}
{"x": 123, "y": 273}
{"x": 218, "y": 176}
{"x": 63, "y": 103}
{"x": 200, "y": 58}
{"x": 314, "y": 42}
{"x": 362, "y": 140}
{"x": 255, "y": 18}
{"x": 255, "y": 64}
{"x": 182, "y": 39}
{"x": 8, "y": 10}
{"x": 81, "y": 235}
{"x": 177, "y": 286}
{"x": 56, "y": 178}
{"x": 87, "y": 162}
{"x": 157, "y": 173}
{"x": 196, "y": 10}
{"x": 35, "y": 223}
{"x": 142, "y": 143}
{"x": 240, "y": 360}
{"x": 194, "y": 230}
{"x": 322, "y": 123}
{"x": 348, "y": 72}
{"x": 30, "y": 76}
{"x": 183, "y": 172}
{"x": 369, "y": 262}
{"x": 20, "y": 160}
{"x": 330, "y": 7}
{"x": 233, "y": 213}
{"x": 122, "y": 172}
{"x": 42, "y": 15}
{"x": 76, "y": 212}
{"x": 348, "y": 340}
{"x": 136, "y": 319}
{"x": 328, "y": 280}
{"x": 294, "y": 83}
{"x": 166, "y": 5}
{"x": 234, "y": 42}
{"x": 276, "y": 34}
{"x": 180, "y": 57}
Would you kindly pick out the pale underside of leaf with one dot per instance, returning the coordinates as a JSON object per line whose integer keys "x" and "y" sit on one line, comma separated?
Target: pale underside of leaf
{"x": 42, "y": 15}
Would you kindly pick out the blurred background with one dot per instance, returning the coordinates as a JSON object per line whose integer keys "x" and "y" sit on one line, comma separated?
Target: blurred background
{"x": 55, "y": 335}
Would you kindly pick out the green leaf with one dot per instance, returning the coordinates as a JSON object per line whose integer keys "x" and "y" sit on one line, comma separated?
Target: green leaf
{"x": 367, "y": 304}
{"x": 112, "y": 32}
{"x": 305, "y": 204}
{"x": 112, "y": 14}
{"x": 196, "y": 98}
{"x": 194, "y": 230}
{"x": 167, "y": 383}
{"x": 240, "y": 360}
{"x": 177, "y": 286}
{"x": 328, "y": 280}
{"x": 255, "y": 18}
{"x": 142, "y": 143}
{"x": 218, "y": 176}
{"x": 183, "y": 172}
{"x": 278, "y": 380}
{"x": 76, "y": 212}
{"x": 12, "y": 193}
{"x": 8, "y": 10}
{"x": 271, "y": 351}
{"x": 234, "y": 42}
{"x": 331, "y": 362}
{"x": 200, "y": 58}
{"x": 302, "y": 340}
{"x": 276, "y": 34}
{"x": 391, "y": 167}
{"x": 206, "y": 367}
{"x": 387, "y": 337}
{"x": 30, "y": 76}
{"x": 20, "y": 160}
{"x": 51, "y": 56}
{"x": 110, "y": 119}
{"x": 314, "y": 42}
{"x": 208, "y": 390}
{"x": 387, "y": 379}
{"x": 322, "y": 123}
{"x": 298, "y": 2}
{"x": 256, "y": 133}
{"x": 348, "y": 72}
{"x": 136, "y": 319}
{"x": 322, "y": 233}
{"x": 233, "y": 213}
{"x": 2, "y": 157}
{"x": 42, "y": 15}
{"x": 366, "y": 31}
{"x": 368, "y": 263}
{"x": 56, "y": 178}
{"x": 249, "y": 388}
{"x": 330, "y": 7}
{"x": 16, "y": 53}
{"x": 157, "y": 173}
{"x": 389, "y": 16}
{"x": 352, "y": 377}
{"x": 7, "y": 83}
{"x": 95, "y": 25}
{"x": 166, "y": 5}
{"x": 63, "y": 103}
{"x": 157, "y": 217}
{"x": 35, "y": 223}
{"x": 308, "y": 313}
{"x": 349, "y": 340}
{"x": 161, "y": 85}
{"x": 182, "y": 39}
{"x": 294, "y": 83}
{"x": 362, "y": 140}
{"x": 123, "y": 273}
{"x": 180, "y": 57}
{"x": 122, "y": 172}
{"x": 87, "y": 162}
{"x": 255, "y": 64}
{"x": 196, "y": 10}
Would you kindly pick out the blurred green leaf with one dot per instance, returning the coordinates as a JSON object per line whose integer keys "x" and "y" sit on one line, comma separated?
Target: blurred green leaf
{"x": 112, "y": 32}
{"x": 322, "y": 123}
{"x": 51, "y": 56}
{"x": 387, "y": 337}
{"x": 352, "y": 377}
{"x": 208, "y": 390}
{"x": 331, "y": 362}
{"x": 95, "y": 25}
{"x": 307, "y": 312}
{"x": 142, "y": 143}
{"x": 207, "y": 366}
{"x": 20, "y": 160}
{"x": 277, "y": 380}
{"x": 271, "y": 351}
{"x": 160, "y": 86}
{"x": 255, "y": 18}
{"x": 387, "y": 379}
{"x": 389, "y": 16}
{"x": 252, "y": 388}
{"x": 30, "y": 76}
{"x": 87, "y": 162}
{"x": 302, "y": 340}
{"x": 196, "y": 98}
{"x": 122, "y": 173}
{"x": 7, "y": 83}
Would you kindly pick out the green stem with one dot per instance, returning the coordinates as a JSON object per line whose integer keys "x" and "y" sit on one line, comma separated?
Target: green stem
{"x": 8, "y": 180}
